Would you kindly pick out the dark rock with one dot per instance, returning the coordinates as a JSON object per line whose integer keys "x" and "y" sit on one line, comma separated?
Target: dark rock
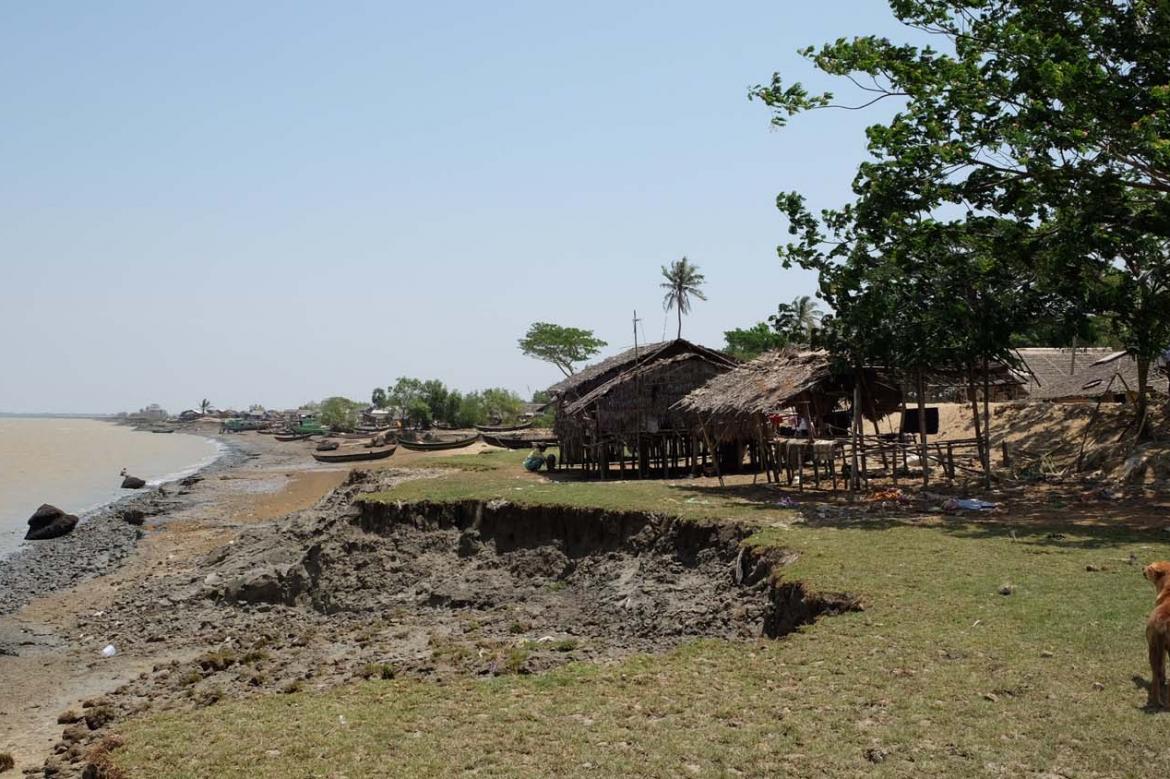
{"x": 133, "y": 516}
{"x": 132, "y": 483}
{"x": 49, "y": 522}
{"x": 190, "y": 481}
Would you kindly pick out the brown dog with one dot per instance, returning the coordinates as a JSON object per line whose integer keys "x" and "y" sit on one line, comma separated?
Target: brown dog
{"x": 1158, "y": 632}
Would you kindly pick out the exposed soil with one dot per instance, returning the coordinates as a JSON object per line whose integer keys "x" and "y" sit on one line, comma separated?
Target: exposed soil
{"x": 352, "y": 589}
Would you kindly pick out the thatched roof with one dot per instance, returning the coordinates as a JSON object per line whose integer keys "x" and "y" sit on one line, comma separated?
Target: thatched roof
{"x": 1094, "y": 375}
{"x": 587, "y": 378}
{"x": 641, "y": 370}
{"x": 779, "y": 380}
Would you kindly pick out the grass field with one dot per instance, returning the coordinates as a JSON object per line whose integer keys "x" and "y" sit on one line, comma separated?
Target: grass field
{"x": 940, "y": 675}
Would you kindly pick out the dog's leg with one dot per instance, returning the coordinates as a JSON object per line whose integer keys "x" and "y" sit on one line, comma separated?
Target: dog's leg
{"x": 1157, "y": 650}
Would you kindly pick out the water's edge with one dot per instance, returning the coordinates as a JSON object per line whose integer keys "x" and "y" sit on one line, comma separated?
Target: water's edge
{"x": 101, "y": 540}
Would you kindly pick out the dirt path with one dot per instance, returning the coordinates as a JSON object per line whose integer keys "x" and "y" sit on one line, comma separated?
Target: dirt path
{"x": 51, "y": 661}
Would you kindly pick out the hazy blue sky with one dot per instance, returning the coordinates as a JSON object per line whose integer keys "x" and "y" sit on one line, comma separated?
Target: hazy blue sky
{"x": 273, "y": 202}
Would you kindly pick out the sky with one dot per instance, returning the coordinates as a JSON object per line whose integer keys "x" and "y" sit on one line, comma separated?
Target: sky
{"x": 276, "y": 202}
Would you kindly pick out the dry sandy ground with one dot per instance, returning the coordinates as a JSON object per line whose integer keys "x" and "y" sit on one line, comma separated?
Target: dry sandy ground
{"x": 58, "y": 664}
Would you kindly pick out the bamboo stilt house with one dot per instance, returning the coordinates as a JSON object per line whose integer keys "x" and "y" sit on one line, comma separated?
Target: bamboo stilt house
{"x": 620, "y": 412}
{"x": 735, "y": 408}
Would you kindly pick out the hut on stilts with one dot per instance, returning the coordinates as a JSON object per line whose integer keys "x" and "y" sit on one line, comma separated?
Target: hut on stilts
{"x": 620, "y": 413}
{"x": 788, "y": 407}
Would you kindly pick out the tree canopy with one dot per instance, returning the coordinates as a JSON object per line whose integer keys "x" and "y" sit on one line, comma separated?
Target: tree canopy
{"x": 561, "y": 346}
{"x": 339, "y": 413}
{"x": 1025, "y": 176}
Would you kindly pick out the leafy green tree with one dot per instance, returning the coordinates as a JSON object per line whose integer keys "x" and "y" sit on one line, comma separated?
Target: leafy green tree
{"x": 1054, "y": 113}
{"x": 501, "y": 405}
{"x": 339, "y": 413}
{"x": 561, "y": 346}
{"x": 404, "y": 391}
{"x": 471, "y": 411}
{"x": 745, "y": 344}
{"x": 378, "y": 398}
{"x": 682, "y": 281}
{"x": 418, "y": 412}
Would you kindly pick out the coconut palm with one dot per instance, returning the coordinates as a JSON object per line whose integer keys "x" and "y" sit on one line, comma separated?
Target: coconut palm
{"x": 203, "y": 406}
{"x": 683, "y": 281}
{"x": 806, "y": 313}
{"x": 798, "y": 320}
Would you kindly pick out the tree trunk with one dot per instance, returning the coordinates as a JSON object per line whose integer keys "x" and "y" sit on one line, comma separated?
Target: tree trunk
{"x": 987, "y": 413}
{"x": 922, "y": 429}
{"x": 679, "y": 307}
{"x": 973, "y": 396}
{"x": 1142, "y": 407}
{"x": 855, "y": 476}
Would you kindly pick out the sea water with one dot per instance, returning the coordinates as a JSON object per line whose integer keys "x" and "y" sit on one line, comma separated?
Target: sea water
{"x": 74, "y": 465}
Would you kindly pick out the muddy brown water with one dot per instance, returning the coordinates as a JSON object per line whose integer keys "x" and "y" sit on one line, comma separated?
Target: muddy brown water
{"x": 352, "y": 589}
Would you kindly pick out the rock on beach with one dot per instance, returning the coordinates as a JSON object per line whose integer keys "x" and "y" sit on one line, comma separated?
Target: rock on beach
{"x": 49, "y": 522}
{"x": 132, "y": 483}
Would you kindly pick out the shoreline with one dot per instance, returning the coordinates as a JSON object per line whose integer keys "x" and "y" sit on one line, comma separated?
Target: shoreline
{"x": 54, "y": 598}
{"x": 102, "y": 540}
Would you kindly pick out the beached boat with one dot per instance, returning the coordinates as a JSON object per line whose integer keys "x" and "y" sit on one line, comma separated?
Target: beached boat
{"x": 328, "y": 446}
{"x": 516, "y": 442}
{"x": 162, "y": 429}
{"x": 293, "y": 436}
{"x": 502, "y": 428}
{"x": 349, "y": 455}
{"x": 438, "y": 445}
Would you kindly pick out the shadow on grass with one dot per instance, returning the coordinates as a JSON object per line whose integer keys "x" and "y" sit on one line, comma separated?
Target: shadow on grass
{"x": 1030, "y": 520}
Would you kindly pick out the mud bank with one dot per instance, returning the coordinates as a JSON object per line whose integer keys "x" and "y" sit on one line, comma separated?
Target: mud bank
{"x": 354, "y": 589}
{"x": 102, "y": 540}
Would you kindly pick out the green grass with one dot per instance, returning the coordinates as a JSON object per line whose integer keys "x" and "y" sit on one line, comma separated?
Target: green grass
{"x": 499, "y": 475}
{"x": 940, "y": 675}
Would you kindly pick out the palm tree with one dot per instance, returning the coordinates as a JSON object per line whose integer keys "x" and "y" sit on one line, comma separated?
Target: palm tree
{"x": 806, "y": 313}
{"x": 203, "y": 406}
{"x": 683, "y": 281}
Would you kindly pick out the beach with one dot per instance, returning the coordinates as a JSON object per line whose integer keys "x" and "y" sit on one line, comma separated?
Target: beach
{"x": 48, "y": 661}
{"x": 73, "y": 463}
{"x": 111, "y": 582}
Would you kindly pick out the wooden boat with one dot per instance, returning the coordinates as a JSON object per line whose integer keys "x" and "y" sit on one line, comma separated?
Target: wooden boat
{"x": 516, "y": 442}
{"x": 354, "y": 455}
{"x": 162, "y": 429}
{"x": 502, "y": 428}
{"x": 328, "y": 446}
{"x": 436, "y": 446}
{"x": 293, "y": 436}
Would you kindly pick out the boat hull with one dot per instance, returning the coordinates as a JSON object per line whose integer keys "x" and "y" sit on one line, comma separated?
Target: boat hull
{"x": 437, "y": 446}
{"x": 354, "y": 456}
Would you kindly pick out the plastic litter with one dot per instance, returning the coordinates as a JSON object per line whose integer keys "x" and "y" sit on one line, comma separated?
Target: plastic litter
{"x": 109, "y": 650}
{"x": 969, "y": 504}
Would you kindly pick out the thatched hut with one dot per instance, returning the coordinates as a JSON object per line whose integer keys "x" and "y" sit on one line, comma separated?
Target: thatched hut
{"x": 735, "y": 413}
{"x": 621, "y": 410}
{"x": 733, "y": 406}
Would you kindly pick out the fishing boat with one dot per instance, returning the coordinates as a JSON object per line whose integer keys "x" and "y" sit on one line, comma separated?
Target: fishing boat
{"x": 435, "y": 446}
{"x": 350, "y": 455}
{"x": 162, "y": 429}
{"x": 516, "y": 442}
{"x": 293, "y": 436}
{"x": 502, "y": 428}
